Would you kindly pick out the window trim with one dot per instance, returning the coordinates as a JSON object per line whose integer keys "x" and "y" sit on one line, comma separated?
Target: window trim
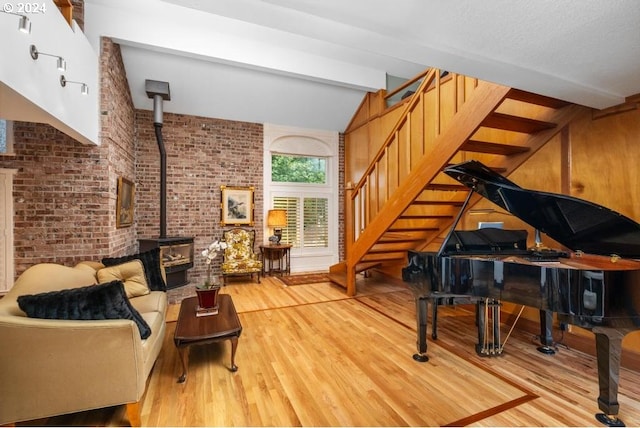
{"x": 315, "y": 143}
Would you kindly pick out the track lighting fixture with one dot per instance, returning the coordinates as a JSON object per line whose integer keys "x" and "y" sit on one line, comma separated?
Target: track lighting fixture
{"x": 84, "y": 89}
{"x": 60, "y": 62}
{"x": 24, "y": 25}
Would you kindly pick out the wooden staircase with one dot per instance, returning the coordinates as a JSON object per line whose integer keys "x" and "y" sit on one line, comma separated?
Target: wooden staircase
{"x": 403, "y": 201}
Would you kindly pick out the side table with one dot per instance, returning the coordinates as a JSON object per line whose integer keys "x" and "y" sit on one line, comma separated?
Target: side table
{"x": 276, "y": 259}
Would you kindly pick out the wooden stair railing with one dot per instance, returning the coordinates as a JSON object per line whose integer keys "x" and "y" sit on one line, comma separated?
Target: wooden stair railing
{"x": 403, "y": 201}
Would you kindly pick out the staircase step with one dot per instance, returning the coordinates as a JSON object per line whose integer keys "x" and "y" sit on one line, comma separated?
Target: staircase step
{"x": 384, "y": 257}
{"x": 425, "y": 217}
{"x": 508, "y": 122}
{"x": 493, "y": 148}
{"x": 360, "y": 267}
{"x": 541, "y": 100}
{"x": 386, "y": 247}
{"x": 446, "y": 187}
{"x": 413, "y": 229}
{"x": 447, "y": 203}
{"x": 338, "y": 278}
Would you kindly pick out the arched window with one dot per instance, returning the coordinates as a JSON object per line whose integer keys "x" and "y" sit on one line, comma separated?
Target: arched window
{"x": 301, "y": 168}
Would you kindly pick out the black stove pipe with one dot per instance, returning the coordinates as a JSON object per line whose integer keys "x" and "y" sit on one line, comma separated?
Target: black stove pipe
{"x": 163, "y": 180}
{"x": 159, "y": 91}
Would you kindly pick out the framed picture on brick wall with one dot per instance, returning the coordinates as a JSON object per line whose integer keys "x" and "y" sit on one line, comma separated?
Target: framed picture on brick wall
{"x": 236, "y": 206}
{"x": 124, "y": 204}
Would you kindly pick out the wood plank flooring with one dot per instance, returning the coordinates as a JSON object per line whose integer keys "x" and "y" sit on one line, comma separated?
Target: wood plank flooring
{"x": 311, "y": 356}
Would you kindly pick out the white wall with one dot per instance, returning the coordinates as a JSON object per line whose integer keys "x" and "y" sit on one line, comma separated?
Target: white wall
{"x": 30, "y": 89}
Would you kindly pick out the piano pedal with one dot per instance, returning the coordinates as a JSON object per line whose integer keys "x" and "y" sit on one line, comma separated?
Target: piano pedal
{"x": 609, "y": 420}
{"x": 489, "y": 350}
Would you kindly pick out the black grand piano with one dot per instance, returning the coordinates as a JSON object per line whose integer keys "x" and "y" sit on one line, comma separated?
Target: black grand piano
{"x": 594, "y": 283}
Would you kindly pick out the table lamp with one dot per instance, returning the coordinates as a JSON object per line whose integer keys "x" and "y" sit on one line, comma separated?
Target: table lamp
{"x": 277, "y": 219}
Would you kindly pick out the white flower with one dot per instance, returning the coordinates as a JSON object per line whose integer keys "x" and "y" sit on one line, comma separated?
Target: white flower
{"x": 212, "y": 250}
{"x": 210, "y": 253}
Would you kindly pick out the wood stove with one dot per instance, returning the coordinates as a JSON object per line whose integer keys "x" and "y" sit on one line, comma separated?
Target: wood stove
{"x": 176, "y": 251}
{"x": 176, "y": 254}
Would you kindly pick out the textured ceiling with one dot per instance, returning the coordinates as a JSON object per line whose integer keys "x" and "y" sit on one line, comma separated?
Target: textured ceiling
{"x": 308, "y": 63}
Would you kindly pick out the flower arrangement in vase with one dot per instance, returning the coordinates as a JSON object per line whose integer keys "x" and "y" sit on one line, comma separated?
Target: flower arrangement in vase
{"x": 208, "y": 292}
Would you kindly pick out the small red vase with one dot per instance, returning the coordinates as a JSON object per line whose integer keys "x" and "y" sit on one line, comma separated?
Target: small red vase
{"x": 208, "y": 297}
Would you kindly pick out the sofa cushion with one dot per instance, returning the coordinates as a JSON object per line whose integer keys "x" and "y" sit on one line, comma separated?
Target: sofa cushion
{"x": 155, "y": 301}
{"x": 130, "y": 273}
{"x": 152, "y": 270}
{"x": 95, "y": 302}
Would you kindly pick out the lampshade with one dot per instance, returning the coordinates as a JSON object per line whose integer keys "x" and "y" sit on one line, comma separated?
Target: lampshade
{"x": 277, "y": 218}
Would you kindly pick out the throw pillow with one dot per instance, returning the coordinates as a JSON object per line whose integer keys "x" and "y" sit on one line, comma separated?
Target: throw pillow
{"x": 130, "y": 273}
{"x": 95, "y": 302}
{"x": 151, "y": 262}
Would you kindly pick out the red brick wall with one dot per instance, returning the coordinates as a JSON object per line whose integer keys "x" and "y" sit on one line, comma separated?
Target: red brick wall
{"x": 117, "y": 136}
{"x": 78, "y": 12}
{"x": 58, "y": 192}
{"x": 202, "y": 155}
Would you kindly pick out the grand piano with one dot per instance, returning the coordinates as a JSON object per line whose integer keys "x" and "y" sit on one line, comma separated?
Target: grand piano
{"x": 593, "y": 283}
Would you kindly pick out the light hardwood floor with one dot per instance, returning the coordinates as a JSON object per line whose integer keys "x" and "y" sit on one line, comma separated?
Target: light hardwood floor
{"x": 311, "y": 356}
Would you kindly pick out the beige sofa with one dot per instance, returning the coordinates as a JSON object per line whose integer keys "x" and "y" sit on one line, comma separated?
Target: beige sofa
{"x": 51, "y": 367}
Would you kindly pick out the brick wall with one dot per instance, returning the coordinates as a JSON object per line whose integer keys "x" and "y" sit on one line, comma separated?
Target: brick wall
{"x": 202, "y": 155}
{"x": 58, "y": 192}
{"x": 117, "y": 136}
{"x": 78, "y": 12}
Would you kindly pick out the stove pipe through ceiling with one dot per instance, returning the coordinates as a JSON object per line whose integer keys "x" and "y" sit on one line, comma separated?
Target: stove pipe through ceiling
{"x": 159, "y": 92}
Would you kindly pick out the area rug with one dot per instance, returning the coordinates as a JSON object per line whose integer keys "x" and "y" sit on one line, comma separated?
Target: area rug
{"x": 309, "y": 278}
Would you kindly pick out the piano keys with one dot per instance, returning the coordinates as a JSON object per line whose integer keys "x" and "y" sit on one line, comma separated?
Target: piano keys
{"x": 594, "y": 283}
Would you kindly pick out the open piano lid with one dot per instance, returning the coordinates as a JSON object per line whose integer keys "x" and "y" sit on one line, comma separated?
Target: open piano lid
{"x": 575, "y": 223}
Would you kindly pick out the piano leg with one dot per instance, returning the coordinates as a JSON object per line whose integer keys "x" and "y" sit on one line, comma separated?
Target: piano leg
{"x": 608, "y": 353}
{"x": 434, "y": 317}
{"x": 421, "y": 316}
{"x": 546, "y": 337}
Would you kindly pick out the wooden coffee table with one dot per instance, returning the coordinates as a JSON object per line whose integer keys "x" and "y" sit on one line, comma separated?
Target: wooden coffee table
{"x": 192, "y": 330}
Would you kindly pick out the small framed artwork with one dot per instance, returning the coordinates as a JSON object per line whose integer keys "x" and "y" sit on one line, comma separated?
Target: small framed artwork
{"x": 236, "y": 206}
{"x": 124, "y": 203}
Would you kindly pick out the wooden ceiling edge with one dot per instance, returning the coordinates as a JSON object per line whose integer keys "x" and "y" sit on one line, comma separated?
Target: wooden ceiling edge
{"x": 631, "y": 103}
{"x": 66, "y": 9}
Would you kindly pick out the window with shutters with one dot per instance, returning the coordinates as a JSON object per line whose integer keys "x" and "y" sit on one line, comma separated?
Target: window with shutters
{"x": 301, "y": 177}
{"x": 307, "y": 220}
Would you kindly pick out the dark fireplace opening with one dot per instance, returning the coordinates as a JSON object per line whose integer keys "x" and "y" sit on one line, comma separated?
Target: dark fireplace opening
{"x": 176, "y": 254}
{"x": 177, "y": 251}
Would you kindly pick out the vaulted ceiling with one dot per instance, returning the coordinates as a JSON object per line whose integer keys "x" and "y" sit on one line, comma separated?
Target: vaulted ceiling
{"x": 308, "y": 63}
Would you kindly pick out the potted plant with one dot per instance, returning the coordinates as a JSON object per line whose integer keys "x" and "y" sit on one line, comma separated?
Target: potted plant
{"x": 208, "y": 292}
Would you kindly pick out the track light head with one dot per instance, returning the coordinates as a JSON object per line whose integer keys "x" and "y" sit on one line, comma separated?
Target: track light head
{"x": 61, "y": 64}
{"x": 24, "y": 25}
{"x": 84, "y": 88}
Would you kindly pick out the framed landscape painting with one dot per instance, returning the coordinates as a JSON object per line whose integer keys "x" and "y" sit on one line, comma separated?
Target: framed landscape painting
{"x": 124, "y": 204}
{"x": 236, "y": 206}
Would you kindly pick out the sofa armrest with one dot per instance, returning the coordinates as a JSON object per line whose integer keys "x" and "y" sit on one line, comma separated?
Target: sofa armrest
{"x": 62, "y": 366}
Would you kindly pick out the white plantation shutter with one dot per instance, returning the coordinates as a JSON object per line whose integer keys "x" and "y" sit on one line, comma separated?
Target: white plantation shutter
{"x": 316, "y": 226}
{"x": 307, "y": 221}
{"x": 291, "y": 205}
